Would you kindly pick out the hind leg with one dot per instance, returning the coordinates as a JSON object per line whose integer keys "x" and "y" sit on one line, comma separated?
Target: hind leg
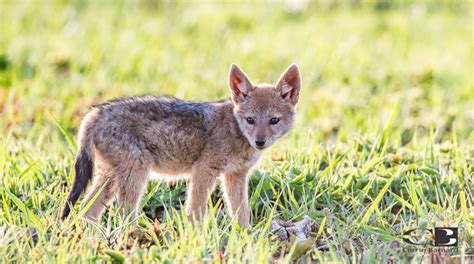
{"x": 131, "y": 187}
{"x": 103, "y": 180}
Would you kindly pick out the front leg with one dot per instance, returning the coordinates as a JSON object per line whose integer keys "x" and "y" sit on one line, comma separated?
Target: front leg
{"x": 202, "y": 183}
{"x": 236, "y": 194}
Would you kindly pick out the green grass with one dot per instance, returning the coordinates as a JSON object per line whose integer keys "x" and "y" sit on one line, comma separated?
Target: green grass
{"x": 383, "y": 140}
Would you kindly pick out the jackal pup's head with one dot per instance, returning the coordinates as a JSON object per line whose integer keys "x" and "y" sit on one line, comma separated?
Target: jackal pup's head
{"x": 264, "y": 112}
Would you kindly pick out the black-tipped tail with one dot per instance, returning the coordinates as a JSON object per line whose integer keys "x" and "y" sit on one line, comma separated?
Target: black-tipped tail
{"x": 84, "y": 168}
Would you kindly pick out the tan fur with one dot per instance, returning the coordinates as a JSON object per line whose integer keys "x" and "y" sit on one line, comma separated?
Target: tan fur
{"x": 127, "y": 140}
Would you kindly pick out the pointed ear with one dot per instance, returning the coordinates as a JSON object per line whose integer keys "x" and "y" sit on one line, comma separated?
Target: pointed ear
{"x": 239, "y": 84}
{"x": 289, "y": 84}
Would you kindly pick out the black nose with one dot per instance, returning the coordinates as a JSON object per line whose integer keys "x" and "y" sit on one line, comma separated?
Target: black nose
{"x": 260, "y": 143}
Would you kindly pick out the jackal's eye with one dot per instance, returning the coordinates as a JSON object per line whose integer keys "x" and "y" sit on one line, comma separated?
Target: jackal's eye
{"x": 250, "y": 120}
{"x": 274, "y": 121}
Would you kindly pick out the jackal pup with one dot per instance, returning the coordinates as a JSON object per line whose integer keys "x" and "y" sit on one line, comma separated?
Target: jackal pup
{"x": 127, "y": 140}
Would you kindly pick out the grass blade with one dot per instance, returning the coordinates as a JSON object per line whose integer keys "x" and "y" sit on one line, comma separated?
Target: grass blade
{"x": 377, "y": 200}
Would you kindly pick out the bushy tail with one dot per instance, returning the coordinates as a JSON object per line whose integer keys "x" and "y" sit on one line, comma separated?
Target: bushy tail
{"x": 83, "y": 165}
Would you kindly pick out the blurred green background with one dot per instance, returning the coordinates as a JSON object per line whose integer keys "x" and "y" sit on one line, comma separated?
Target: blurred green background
{"x": 357, "y": 59}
